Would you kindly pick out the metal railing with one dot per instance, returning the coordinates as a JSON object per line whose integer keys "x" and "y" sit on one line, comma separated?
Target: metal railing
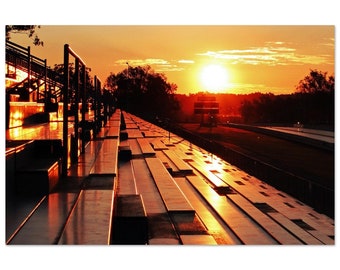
{"x": 21, "y": 58}
{"x": 79, "y": 63}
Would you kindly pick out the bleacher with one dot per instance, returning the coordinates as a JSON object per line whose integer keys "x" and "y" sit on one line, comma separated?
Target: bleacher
{"x": 136, "y": 183}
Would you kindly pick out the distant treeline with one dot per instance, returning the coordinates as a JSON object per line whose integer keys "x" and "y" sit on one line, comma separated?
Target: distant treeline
{"x": 307, "y": 108}
{"x": 312, "y": 104}
{"x": 146, "y": 93}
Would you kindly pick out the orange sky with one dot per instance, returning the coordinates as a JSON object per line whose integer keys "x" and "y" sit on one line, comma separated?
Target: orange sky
{"x": 256, "y": 58}
{"x": 297, "y": 49}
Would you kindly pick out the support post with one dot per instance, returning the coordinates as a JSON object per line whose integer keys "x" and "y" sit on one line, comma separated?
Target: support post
{"x": 47, "y": 100}
{"x": 74, "y": 153}
{"x": 29, "y": 70}
{"x": 95, "y": 111}
{"x": 65, "y": 110}
{"x": 83, "y": 107}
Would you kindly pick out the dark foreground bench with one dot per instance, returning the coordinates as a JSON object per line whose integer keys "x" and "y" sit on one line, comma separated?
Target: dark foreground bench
{"x": 38, "y": 178}
{"x": 33, "y": 167}
{"x": 130, "y": 225}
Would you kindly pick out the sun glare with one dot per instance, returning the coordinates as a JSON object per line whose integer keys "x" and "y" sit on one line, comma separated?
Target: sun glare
{"x": 214, "y": 78}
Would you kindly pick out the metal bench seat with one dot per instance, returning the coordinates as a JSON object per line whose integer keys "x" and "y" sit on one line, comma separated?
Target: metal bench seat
{"x": 173, "y": 197}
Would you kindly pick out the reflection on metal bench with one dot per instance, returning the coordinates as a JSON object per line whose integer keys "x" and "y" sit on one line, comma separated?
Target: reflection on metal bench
{"x": 174, "y": 199}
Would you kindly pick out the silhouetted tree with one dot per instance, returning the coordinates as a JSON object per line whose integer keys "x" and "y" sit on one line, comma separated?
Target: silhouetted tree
{"x": 316, "y": 94}
{"x": 59, "y": 73}
{"x": 248, "y": 111}
{"x": 144, "y": 92}
{"x": 264, "y": 107}
{"x": 30, "y": 30}
{"x": 316, "y": 81}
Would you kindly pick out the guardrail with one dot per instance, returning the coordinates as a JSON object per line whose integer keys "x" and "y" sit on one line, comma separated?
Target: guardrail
{"x": 283, "y": 135}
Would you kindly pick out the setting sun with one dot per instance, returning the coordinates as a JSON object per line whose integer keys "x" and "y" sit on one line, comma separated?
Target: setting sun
{"x": 214, "y": 78}
{"x": 273, "y": 59}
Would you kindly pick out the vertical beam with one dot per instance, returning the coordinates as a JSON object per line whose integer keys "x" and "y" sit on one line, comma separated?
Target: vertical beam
{"x": 99, "y": 103}
{"x": 83, "y": 108}
{"x": 65, "y": 110}
{"x": 45, "y": 86}
{"x": 29, "y": 69}
{"x": 105, "y": 104}
{"x": 74, "y": 153}
{"x": 95, "y": 106}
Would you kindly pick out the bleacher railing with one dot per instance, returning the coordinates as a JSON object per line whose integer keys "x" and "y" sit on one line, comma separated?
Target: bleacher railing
{"x": 79, "y": 63}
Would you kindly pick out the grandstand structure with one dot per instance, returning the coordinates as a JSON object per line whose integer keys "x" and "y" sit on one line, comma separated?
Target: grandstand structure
{"x": 125, "y": 181}
{"x": 29, "y": 80}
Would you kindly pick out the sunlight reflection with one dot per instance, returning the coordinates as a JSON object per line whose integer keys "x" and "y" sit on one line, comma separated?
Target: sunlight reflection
{"x": 213, "y": 163}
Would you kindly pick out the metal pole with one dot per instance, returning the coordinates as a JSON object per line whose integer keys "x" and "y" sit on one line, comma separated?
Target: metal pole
{"x": 29, "y": 69}
{"x": 76, "y": 116}
{"x": 95, "y": 101}
{"x": 65, "y": 111}
{"x": 99, "y": 103}
{"x": 128, "y": 86}
{"x": 97, "y": 90}
{"x": 105, "y": 103}
{"x": 45, "y": 86}
{"x": 83, "y": 108}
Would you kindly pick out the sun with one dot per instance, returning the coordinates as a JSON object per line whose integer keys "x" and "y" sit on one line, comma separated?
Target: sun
{"x": 214, "y": 78}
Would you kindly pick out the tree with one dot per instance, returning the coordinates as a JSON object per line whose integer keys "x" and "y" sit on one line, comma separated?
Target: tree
{"x": 316, "y": 92}
{"x": 58, "y": 70}
{"x": 316, "y": 81}
{"x": 30, "y": 30}
{"x": 248, "y": 111}
{"x": 142, "y": 91}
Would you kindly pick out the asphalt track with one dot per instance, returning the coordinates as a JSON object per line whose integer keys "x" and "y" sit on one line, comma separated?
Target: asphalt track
{"x": 322, "y": 135}
{"x": 297, "y": 158}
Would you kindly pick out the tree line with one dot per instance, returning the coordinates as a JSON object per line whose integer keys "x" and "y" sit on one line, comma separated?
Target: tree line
{"x": 313, "y": 103}
{"x": 142, "y": 91}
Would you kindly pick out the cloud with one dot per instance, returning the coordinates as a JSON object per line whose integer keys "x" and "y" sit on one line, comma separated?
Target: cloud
{"x": 142, "y": 62}
{"x": 166, "y": 68}
{"x": 273, "y": 53}
{"x": 329, "y": 42}
{"x": 184, "y": 61}
{"x": 159, "y": 65}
